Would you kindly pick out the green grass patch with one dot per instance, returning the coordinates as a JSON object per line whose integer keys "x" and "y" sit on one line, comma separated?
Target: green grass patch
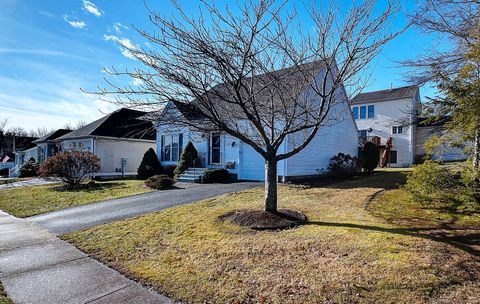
{"x": 345, "y": 254}
{"x": 28, "y": 201}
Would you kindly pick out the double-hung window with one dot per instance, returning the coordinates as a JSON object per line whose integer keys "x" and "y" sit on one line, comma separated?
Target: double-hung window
{"x": 363, "y": 133}
{"x": 397, "y": 129}
{"x": 363, "y": 112}
{"x": 355, "y": 112}
{"x": 371, "y": 111}
{"x": 171, "y": 147}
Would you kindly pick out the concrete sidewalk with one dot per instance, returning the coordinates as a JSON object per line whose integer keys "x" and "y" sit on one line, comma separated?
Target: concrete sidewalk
{"x": 29, "y": 183}
{"x": 37, "y": 267}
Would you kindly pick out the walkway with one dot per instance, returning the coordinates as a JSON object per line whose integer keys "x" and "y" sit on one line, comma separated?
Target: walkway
{"x": 37, "y": 267}
{"x": 28, "y": 183}
{"x": 84, "y": 216}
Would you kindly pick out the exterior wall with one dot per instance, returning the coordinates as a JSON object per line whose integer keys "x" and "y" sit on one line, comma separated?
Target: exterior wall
{"x": 338, "y": 136}
{"x": 389, "y": 113}
{"x": 111, "y": 151}
{"x": 444, "y": 153}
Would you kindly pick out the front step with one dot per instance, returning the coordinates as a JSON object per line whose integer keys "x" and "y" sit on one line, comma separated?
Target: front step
{"x": 192, "y": 175}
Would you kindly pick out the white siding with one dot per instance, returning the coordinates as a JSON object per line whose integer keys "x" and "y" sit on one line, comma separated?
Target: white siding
{"x": 340, "y": 135}
{"x": 111, "y": 151}
{"x": 389, "y": 113}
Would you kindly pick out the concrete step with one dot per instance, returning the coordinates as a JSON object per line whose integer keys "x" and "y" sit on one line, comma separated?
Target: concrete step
{"x": 188, "y": 180}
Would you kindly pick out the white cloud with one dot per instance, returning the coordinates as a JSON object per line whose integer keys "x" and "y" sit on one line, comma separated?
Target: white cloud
{"x": 75, "y": 23}
{"x": 136, "y": 82}
{"x": 118, "y": 27}
{"x": 125, "y": 45}
{"x": 92, "y": 8}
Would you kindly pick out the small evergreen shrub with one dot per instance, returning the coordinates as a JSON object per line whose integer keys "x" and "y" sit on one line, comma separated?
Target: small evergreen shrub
{"x": 169, "y": 170}
{"x": 149, "y": 166}
{"x": 429, "y": 178}
{"x": 30, "y": 169}
{"x": 72, "y": 167}
{"x": 370, "y": 156}
{"x": 187, "y": 158}
{"x": 216, "y": 176}
{"x": 343, "y": 165}
{"x": 160, "y": 182}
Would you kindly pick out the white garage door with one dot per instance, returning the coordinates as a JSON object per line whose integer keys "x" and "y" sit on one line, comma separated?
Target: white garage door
{"x": 251, "y": 163}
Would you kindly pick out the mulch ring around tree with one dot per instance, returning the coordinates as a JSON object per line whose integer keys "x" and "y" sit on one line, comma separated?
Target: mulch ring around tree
{"x": 263, "y": 220}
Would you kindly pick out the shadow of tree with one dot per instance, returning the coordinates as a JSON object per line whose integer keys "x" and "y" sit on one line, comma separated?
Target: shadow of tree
{"x": 466, "y": 240}
{"x": 90, "y": 187}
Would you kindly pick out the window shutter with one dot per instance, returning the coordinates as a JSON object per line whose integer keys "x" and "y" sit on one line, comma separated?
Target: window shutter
{"x": 180, "y": 144}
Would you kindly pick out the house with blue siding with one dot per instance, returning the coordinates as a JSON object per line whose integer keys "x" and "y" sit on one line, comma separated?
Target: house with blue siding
{"x": 220, "y": 150}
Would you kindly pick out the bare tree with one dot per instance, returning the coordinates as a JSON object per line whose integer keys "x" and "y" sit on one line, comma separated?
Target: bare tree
{"x": 254, "y": 72}
{"x": 74, "y": 126}
{"x": 3, "y": 124}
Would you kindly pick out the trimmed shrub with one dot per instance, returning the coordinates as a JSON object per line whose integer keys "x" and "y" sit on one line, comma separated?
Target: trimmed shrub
{"x": 429, "y": 178}
{"x": 160, "y": 182}
{"x": 72, "y": 167}
{"x": 169, "y": 170}
{"x": 343, "y": 165}
{"x": 216, "y": 176}
{"x": 30, "y": 169}
{"x": 4, "y": 172}
{"x": 370, "y": 156}
{"x": 187, "y": 158}
{"x": 149, "y": 166}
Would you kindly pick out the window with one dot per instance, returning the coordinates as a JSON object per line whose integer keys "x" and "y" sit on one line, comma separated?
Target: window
{"x": 355, "y": 112}
{"x": 215, "y": 149}
{"x": 363, "y": 112}
{"x": 392, "y": 157}
{"x": 363, "y": 133}
{"x": 397, "y": 129}
{"x": 171, "y": 147}
{"x": 371, "y": 111}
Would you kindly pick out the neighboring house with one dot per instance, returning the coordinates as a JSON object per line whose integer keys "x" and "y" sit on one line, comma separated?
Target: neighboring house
{"x": 40, "y": 149}
{"x": 220, "y": 150}
{"x": 25, "y": 150}
{"x": 445, "y": 151}
{"x": 47, "y": 146}
{"x": 119, "y": 139}
{"x": 389, "y": 114}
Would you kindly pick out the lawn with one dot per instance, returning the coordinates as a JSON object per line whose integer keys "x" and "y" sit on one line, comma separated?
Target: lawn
{"x": 350, "y": 252}
{"x": 28, "y": 201}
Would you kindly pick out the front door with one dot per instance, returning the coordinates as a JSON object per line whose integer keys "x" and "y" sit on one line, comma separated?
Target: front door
{"x": 215, "y": 149}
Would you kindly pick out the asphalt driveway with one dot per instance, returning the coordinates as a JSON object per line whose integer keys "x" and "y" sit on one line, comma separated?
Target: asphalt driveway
{"x": 84, "y": 216}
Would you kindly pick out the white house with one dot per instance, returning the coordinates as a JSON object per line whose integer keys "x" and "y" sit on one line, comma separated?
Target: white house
{"x": 119, "y": 139}
{"x": 220, "y": 150}
{"x": 390, "y": 114}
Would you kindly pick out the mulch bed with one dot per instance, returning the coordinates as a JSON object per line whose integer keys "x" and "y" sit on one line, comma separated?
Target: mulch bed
{"x": 263, "y": 220}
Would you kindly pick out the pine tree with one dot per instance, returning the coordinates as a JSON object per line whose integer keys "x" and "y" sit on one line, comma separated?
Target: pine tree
{"x": 149, "y": 166}
{"x": 187, "y": 159}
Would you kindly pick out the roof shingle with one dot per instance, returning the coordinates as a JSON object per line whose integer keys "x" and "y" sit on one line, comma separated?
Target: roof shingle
{"x": 377, "y": 96}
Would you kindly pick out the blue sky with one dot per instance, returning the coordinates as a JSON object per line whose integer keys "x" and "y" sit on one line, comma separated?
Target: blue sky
{"x": 50, "y": 49}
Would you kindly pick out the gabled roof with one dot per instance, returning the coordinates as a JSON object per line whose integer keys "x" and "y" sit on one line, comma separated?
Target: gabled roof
{"x": 288, "y": 81}
{"x": 123, "y": 123}
{"x": 390, "y": 94}
{"x": 52, "y": 135}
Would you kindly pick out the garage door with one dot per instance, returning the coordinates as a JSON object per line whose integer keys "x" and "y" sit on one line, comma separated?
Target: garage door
{"x": 251, "y": 163}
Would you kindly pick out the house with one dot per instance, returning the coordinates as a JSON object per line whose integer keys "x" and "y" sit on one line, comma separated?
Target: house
{"x": 119, "y": 139}
{"x": 389, "y": 115}
{"x": 221, "y": 150}
{"x": 24, "y": 150}
{"x": 444, "y": 152}
{"x": 39, "y": 149}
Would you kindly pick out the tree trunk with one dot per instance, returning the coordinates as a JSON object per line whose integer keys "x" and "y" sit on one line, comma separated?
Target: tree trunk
{"x": 270, "y": 185}
{"x": 476, "y": 149}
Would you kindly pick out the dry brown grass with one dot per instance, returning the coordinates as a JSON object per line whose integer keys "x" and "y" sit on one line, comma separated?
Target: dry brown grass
{"x": 345, "y": 254}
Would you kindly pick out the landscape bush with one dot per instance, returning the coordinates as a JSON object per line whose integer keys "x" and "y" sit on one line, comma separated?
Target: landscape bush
{"x": 160, "y": 182}
{"x": 432, "y": 182}
{"x": 216, "y": 176}
{"x": 149, "y": 166}
{"x": 370, "y": 156}
{"x": 343, "y": 165}
{"x": 30, "y": 169}
{"x": 187, "y": 158}
{"x": 72, "y": 167}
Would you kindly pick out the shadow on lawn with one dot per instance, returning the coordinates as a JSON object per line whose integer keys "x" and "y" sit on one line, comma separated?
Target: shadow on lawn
{"x": 464, "y": 240}
{"x": 389, "y": 180}
{"x": 89, "y": 187}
